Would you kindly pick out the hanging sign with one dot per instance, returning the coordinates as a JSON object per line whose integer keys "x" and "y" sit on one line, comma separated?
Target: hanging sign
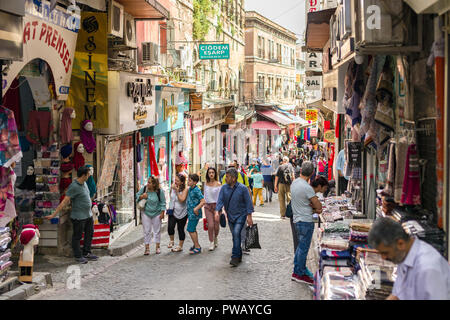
{"x": 313, "y": 132}
{"x": 311, "y": 115}
{"x": 313, "y": 83}
{"x": 328, "y": 136}
{"x": 354, "y": 154}
{"x": 52, "y": 37}
{"x": 89, "y": 86}
{"x": 214, "y": 51}
{"x": 314, "y": 61}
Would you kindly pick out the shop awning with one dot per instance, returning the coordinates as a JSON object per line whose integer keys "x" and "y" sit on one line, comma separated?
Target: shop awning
{"x": 279, "y": 117}
{"x": 287, "y": 108}
{"x": 318, "y": 28}
{"x": 265, "y": 125}
{"x": 145, "y": 9}
{"x": 429, "y": 6}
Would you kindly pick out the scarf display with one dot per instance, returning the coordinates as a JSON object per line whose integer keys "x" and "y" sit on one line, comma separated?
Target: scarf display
{"x": 7, "y": 206}
{"x": 389, "y": 187}
{"x": 9, "y": 139}
{"x": 87, "y": 137}
{"x": 400, "y": 166}
{"x": 29, "y": 183}
{"x": 78, "y": 159}
{"x": 152, "y": 155}
{"x": 65, "y": 130}
{"x": 411, "y": 182}
{"x": 91, "y": 184}
{"x": 40, "y": 127}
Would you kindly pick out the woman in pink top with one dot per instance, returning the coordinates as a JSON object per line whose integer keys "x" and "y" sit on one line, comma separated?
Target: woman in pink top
{"x": 321, "y": 166}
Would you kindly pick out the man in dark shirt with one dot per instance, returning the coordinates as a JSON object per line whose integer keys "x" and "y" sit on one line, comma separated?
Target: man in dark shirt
{"x": 283, "y": 179}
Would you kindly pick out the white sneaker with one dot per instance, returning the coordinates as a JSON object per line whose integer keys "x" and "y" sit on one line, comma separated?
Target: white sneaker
{"x": 216, "y": 242}
{"x": 212, "y": 246}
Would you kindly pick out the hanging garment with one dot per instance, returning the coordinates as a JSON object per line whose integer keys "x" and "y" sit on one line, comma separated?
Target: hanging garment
{"x": 29, "y": 183}
{"x": 26, "y": 102}
{"x": 9, "y": 140}
{"x": 78, "y": 159}
{"x": 7, "y": 206}
{"x": 11, "y": 100}
{"x": 152, "y": 155}
{"x": 91, "y": 184}
{"x": 411, "y": 182}
{"x": 65, "y": 130}
{"x": 400, "y": 154}
{"x": 138, "y": 153}
{"x": 40, "y": 127}
{"x": 87, "y": 137}
{"x": 389, "y": 187}
{"x": 385, "y": 112}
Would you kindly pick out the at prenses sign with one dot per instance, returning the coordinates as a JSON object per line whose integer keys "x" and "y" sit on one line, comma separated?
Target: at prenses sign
{"x": 52, "y": 37}
{"x": 312, "y": 5}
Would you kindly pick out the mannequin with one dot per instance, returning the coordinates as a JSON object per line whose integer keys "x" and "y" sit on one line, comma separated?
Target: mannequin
{"x": 87, "y": 136}
{"x": 95, "y": 212}
{"x": 104, "y": 216}
{"x": 29, "y": 183}
{"x": 78, "y": 158}
{"x": 91, "y": 182}
{"x": 73, "y": 115}
{"x": 29, "y": 237}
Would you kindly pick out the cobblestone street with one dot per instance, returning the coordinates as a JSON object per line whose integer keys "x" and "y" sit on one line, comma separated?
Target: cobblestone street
{"x": 264, "y": 274}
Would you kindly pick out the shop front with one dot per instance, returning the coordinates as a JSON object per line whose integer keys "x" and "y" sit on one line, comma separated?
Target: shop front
{"x": 35, "y": 90}
{"x": 171, "y": 103}
{"x": 131, "y": 103}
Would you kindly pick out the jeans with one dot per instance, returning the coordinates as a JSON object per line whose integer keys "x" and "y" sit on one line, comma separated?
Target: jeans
{"x": 85, "y": 226}
{"x": 304, "y": 233}
{"x": 236, "y": 230}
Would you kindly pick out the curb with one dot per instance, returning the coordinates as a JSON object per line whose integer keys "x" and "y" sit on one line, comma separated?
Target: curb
{"x": 41, "y": 281}
{"x": 125, "y": 248}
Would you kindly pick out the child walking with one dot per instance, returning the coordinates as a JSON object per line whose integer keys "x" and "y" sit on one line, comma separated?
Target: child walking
{"x": 258, "y": 184}
{"x": 195, "y": 202}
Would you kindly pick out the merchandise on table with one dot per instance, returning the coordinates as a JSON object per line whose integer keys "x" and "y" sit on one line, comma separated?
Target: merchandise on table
{"x": 5, "y": 252}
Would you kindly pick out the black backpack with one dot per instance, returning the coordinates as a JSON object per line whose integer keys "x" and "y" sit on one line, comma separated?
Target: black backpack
{"x": 287, "y": 175}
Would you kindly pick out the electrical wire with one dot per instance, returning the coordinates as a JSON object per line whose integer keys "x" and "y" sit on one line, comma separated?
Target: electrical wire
{"x": 290, "y": 9}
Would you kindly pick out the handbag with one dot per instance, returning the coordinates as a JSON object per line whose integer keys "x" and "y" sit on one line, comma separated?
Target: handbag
{"x": 223, "y": 220}
{"x": 289, "y": 213}
{"x": 252, "y": 237}
{"x": 142, "y": 202}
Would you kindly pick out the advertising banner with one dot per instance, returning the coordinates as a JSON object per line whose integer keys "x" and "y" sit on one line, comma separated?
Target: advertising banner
{"x": 52, "y": 37}
{"x": 311, "y": 115}
{"x": 89, "y": 85}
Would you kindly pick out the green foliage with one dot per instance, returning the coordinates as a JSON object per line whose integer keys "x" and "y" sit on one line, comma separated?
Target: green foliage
{"x": 202, "y": 10}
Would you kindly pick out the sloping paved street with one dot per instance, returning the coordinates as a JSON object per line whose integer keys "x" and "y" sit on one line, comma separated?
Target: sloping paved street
{"x": 264, "y": 274}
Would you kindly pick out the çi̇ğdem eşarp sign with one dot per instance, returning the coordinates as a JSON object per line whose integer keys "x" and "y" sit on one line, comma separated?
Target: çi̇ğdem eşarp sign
{"x": 214, "y": 51}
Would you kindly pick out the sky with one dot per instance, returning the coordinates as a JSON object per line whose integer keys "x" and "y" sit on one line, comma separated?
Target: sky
{"x": 287, "y": 13}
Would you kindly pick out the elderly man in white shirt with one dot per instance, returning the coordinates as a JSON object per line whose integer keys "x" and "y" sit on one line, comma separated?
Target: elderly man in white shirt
{"x": 422, "y": 273}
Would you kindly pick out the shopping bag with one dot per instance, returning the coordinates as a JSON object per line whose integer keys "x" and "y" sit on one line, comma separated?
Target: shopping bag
{"x": 289, "y": 213}
{"x": 223, "y": 220}
{"x": 252, "y": 237}
{"x": 205, "y": 224}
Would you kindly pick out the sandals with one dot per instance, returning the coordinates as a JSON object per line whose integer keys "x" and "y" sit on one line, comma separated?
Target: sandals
{"x": 158, "y": 250}
{"x": 171, "y": 244}
{"x": 196, "y": 250}
{"x": 177, "y": 249}
{"x": 147, "y": 252}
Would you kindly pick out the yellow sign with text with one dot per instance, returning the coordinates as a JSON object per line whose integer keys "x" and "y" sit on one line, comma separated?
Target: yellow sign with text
{"x": 88, "y": 94}
{"x": 311, "y": 115}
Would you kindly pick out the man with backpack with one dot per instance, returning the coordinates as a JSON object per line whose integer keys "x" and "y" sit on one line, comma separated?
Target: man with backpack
{"x": 283, "y": 179}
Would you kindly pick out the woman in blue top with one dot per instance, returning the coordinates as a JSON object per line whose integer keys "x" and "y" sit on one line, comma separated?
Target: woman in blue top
{"x": 153, "y": 212}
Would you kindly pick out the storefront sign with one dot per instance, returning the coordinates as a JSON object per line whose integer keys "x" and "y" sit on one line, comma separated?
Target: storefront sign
{"x": 314, "y": 131}
{"x": 89, "y": 86}
{"x": 311, "y": 115}
{"x": 314, "y": 61}
{"x": 195, "y": 101}
{"x": 312, "y": 5}
{"x": 328, "y": 136}
{"x": 214, "y": 51}
{"x": 354, "y": 154}
{"x": 170, "y": 110}
{"x": 313, "y": 83}
{"x": 52, "y": 37}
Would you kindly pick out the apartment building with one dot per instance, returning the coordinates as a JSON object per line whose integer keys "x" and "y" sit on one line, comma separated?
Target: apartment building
{"x": 270, "y": 62}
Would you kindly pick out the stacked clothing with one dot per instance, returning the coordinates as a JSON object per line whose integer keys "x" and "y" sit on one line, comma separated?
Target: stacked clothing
{"x": 359, "y": 231}
{"x": 428, "y": 233}
{"x": 334, "y": 245}
{"x": 376, "y": 276}
{"x": 5, "y": 252}
{"x": 340, "y": 284}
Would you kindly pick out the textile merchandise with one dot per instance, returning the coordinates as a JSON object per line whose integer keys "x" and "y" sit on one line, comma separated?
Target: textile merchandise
{"x": 40, "y": 127}
{"x": 78, "y": 159}
{"x": 7, "y": 205}
{"x": 87, "y": 137}
{"x": 9, "y": 140}
{"x": 359, "y": 226}
{"x": 400, "y": 167}
{"x": 337, "y": 227}
{"x": 411, "y": 182}
{"x": 65, "y": 130}
{"x": 332, "y": 254}
{"x": 66, "y": 151}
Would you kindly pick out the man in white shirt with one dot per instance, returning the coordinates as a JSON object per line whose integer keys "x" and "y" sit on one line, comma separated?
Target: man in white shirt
{"x": 422, "y": 273}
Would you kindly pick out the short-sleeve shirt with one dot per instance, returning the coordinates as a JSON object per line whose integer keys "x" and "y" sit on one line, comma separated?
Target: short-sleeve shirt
{"x": 193, "y": 199}
{"x": 257, "y": 180}
{"x": 244, "y": 180}
{"x": 81, "y": 201}
{"x": 280, "y": 172}
{"x": 301, "y": 194}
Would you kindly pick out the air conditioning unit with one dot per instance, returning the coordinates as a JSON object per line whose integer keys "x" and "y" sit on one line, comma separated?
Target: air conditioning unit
{"x": 150, "y": 53}
{"x": 115, "y": 19}
{"x": 389, "y": 30}
{"x": 129, "y": 30}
